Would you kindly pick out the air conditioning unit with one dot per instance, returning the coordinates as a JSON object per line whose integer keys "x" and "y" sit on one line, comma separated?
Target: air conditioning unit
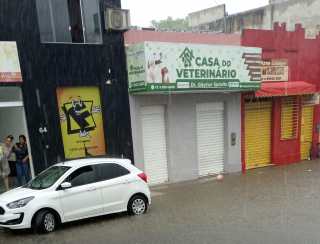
{"x": 117, "y": 19}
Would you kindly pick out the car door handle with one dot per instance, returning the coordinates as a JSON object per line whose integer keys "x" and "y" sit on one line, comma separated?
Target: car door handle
{"x": 92, "y": 189}
{"x": 125, "y": 182}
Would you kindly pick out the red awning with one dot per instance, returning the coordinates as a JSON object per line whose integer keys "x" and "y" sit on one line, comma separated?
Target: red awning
{"x": 273, "y": 89}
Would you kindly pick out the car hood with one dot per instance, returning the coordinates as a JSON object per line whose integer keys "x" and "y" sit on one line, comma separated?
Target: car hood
{"x": 16, "y": 194}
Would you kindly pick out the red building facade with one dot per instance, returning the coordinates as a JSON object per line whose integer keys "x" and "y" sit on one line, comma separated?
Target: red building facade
{"x": 303, "y": 82}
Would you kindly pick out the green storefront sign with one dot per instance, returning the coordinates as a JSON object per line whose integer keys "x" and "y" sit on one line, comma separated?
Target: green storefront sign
{"x": 158, "y": 67}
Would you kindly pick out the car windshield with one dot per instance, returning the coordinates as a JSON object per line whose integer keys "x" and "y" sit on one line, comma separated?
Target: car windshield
{"x": 47, "y": 178}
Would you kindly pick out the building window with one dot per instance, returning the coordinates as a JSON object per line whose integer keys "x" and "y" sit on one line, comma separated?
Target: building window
{"x": 69, "y": 21}
{"x": 289, "y": 118}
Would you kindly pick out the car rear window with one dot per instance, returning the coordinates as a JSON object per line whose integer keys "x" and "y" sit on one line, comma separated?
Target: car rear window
{"x": 110, "y": 171}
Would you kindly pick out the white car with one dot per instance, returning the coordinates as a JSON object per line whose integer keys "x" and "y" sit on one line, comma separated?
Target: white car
{"x": 75, "y": 190}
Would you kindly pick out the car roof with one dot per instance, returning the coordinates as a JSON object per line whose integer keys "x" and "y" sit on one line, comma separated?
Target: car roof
{"x": 89, "y": 161}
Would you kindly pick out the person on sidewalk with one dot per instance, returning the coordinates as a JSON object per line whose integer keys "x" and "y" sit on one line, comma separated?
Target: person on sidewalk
{"x": 12, "y": 165}
{"x": 22, "y": 160}
{"x": 5, "y": 152}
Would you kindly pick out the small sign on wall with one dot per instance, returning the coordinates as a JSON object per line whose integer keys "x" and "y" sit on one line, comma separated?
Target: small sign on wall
{"x": 9, "y": 63}
{"x": 275, "y": 70}
{"x": 81, "y": 121}
{"x": 311, "y": 32}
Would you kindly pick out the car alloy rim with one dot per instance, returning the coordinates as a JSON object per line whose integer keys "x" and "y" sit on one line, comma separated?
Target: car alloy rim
{"x": 49, "y": 222}
{"x": 138, "y": 206}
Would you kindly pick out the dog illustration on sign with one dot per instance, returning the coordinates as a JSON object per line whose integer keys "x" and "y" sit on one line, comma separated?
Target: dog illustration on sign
{"x": 157, "y": 72}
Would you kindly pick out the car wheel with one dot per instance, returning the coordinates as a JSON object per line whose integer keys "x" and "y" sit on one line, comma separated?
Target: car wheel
{"x": 138, "y": 205}
{"x": 45, "y": 222}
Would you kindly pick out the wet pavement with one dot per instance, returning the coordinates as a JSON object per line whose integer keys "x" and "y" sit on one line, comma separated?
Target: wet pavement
{"x": 275, "y": 205}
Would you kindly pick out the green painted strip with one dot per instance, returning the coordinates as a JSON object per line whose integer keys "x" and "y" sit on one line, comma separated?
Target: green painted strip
{"x": 201, "y": 85}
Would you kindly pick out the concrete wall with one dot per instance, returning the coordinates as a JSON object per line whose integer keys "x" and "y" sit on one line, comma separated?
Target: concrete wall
{"x": 277, "y": 1}
{"x": 305, "y": 12}
{"x": 12, "y": 122}
{"x": 181, "y": 131}
{"x": 10, "y": 94}
{"x": 258, "y": 19}
{"x": 207, "y": 15}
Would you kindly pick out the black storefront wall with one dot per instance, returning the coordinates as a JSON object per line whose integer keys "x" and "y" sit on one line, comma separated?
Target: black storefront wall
{"x": 48, "y": 66}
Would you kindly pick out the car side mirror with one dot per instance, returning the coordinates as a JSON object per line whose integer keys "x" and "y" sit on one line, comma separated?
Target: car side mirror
{"x": 66, "y": 185}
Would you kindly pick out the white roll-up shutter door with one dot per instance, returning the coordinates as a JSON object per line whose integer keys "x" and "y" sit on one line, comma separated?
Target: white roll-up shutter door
{"x": 210, "y": 138}
{"x": 154, "y": 144}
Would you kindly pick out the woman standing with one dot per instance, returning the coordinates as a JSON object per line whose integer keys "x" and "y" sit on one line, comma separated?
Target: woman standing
{"x": 5, "y": 152}
{"x": 12, "y": 163}
{"x": 22, "y": 160}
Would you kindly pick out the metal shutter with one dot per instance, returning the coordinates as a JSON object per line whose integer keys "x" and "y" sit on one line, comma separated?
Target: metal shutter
{"x": 257, "y": 133}
{"x": 289, "y": 118}
{"x": 210, "y": 138}
{"x": 306, "y": 127}
{"x": 154, "y": 144}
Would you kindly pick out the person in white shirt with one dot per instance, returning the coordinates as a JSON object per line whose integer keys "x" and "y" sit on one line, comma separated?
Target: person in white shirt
{"x": 5, "y": 153}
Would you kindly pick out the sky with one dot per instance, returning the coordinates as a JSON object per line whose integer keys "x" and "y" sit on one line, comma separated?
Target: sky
{"x": 143, "y": 11}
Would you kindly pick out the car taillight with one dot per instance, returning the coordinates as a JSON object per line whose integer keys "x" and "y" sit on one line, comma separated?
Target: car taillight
{"x": 143, "y": 177}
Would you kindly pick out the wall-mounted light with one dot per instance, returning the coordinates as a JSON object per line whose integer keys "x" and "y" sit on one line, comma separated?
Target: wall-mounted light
{"x": 109, "y": 80}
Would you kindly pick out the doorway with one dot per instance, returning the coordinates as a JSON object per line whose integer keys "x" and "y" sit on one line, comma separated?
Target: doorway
{"x": 210, "y": 138}
{"x": 307, "y": 114}
{"x": 154, "y": 144}
{"x": 258, "y": 117}
{"x": 13, "y": 121}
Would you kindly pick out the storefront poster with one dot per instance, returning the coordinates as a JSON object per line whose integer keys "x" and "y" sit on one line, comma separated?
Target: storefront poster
{"x": 157, "y": 66}
{"x": 81, "y": 121}
{"x": 9, "y": 63}
{"x": 275, "y": 70}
